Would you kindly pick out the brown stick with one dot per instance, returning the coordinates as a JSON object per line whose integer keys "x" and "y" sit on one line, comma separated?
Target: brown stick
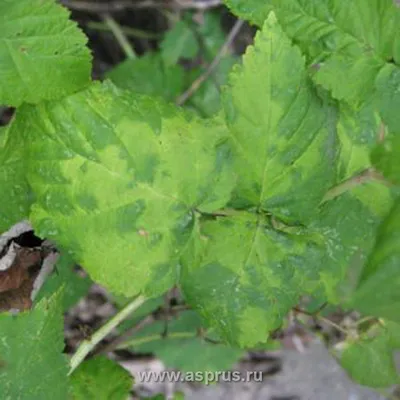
{"x": 115, "y": 6}
{"x": 211, "y": 68}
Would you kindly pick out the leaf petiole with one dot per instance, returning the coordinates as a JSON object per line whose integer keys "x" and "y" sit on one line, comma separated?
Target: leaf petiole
{"x": 89, "y": 344}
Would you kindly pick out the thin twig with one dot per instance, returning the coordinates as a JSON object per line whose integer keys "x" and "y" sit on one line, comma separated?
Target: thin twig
{"x": 88, "y": 345}
{"x": 137, "y": 33}
{"x": 119, "y": 36}
{"x": 331, "y": 323}
{"x": 317, "y": 316}
{"x": 202, "y": 78}
{"x": 115, "y": 6}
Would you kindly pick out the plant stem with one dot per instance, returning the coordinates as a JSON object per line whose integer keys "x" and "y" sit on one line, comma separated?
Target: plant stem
{"x": 120, "y": 36}
{"x": 128, "y": 31}
{"x": 88, "y": 345}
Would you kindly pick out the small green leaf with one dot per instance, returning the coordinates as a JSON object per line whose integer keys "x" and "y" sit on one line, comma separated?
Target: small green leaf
{"x": 283, "y": 135}
{"x": 101, "y": 379}
{"x": 212, "y": 35}
{"x": 127, "y": 173}
{"x": 43, "y": 54}
{"x": 179, "y": 42}
{"x": 243, "y": 276}
{"x": 393, "y": 332}
{"x": 75, "y": 286}
{"x": 181, "y": 348}
{"x": 369, "y": 361}
{"x": 207, "y": 99}
{"x": 176, "y": 396}
{"x": 378, "y": 291}
{"x": 149, "y": 75}
{"x": 32, "y": 364}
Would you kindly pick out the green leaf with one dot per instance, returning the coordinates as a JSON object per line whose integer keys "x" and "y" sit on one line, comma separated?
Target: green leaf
{"x": 350, "y": 220}
{"x": 347, "y": 42}
{"x": 181, "y": 348}
{"x": 378, "y": 291}
{"x": 349, "y": 224}
{"x": 32, "y": 364}
{"x": 393, "y": 332}
{"x": 243, "y": 276}
{"x": 149, "y": 75}
{"x": 42, "y": 52}
{"x": 212, "y": 35}
{"x": 176, "y": 396}
{"x": 75, "y": 286}
{"x": 179, "y": 42}
{"x": 207, "y": 99}
{"x": 254, "y": 11}
{"x": 369, "y": 361}
{"x": 283, "y": 135}
{"x": 388, "y": 87}
{"x": 16, "y": 196}
{"x": 117, "y": 179}
{"x": 358, "y": 52}
{"x": 101, "y": 379}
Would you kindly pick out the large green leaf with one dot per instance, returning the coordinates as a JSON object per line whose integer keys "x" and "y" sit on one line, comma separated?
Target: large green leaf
{"x": 283, "y": 135}
{"x": 15, "y": 195}
{"x": 378, "y": 291}
{"x": 118, "y": 178}
{"x": 32, "y": 365}
{"x": 178, "y": 345}
{"x": 100, "y": 379}
{"x": 348, "y": 41}
{"x": 42, "y": 52}
{"x": 244, "y": 276}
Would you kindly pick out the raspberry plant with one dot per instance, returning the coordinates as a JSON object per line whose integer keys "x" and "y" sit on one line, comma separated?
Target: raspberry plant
{"x": 290, "y": 190}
